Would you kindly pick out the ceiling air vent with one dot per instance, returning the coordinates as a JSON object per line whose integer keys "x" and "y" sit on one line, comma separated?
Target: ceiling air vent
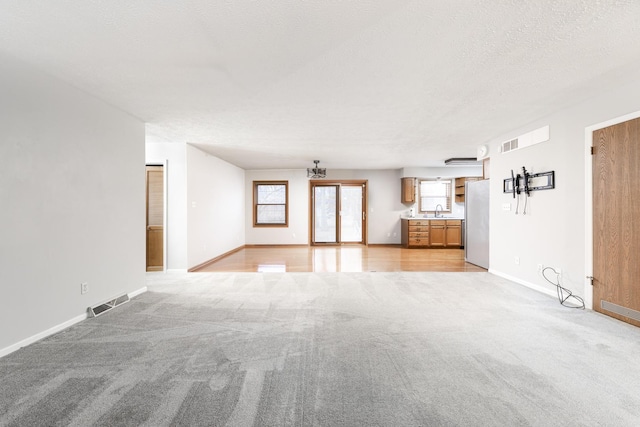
{"x": 111, "y": 304}
{"x": 509, "y": 145}
{"x": 526, "y": 140}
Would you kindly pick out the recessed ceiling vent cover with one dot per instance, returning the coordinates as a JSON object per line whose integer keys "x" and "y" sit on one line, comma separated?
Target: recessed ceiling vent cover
{"x": 109, "y": 305}
{"x": 528, "y": 139}
{"x": 510, "y": 145}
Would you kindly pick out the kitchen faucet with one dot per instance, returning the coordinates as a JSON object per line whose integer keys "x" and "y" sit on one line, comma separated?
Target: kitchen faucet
{"x": 440, "y": 214}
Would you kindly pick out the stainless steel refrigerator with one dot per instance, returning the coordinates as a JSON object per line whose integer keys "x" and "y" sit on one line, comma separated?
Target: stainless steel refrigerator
{"x": 476, "y": 213}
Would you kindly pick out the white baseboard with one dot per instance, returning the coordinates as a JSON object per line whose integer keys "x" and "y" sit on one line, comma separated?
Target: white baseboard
{"x": 41, "y": 335}
{"x": 177, "y": 270}
{"x": 138, "y": 292}
{"x": 54, "y": 330}
{"x": 524, "y": 283}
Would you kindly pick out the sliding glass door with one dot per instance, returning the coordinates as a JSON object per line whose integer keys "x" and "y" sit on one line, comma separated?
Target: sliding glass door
{"x": 325, "y": 214}
{"x": 338, "y": 212}
{"x": 351, "y": 213}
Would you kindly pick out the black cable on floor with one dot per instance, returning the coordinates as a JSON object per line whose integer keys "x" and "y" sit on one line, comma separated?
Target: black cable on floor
{"x": 562, "y": 291}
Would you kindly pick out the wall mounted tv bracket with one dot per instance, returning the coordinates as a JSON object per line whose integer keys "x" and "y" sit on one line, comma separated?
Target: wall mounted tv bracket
{"x": 526, "y": 183}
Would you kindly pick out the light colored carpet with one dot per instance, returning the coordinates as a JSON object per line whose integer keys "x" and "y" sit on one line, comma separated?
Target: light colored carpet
{"x": 330, "y": 349}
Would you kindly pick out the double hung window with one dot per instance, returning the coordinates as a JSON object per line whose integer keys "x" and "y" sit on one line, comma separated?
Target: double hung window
{"x": 270, "y": 203}
{"x": 434, "y": 193}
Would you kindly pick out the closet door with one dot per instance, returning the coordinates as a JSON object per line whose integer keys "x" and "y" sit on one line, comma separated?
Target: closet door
{"x": 616, "y": 235}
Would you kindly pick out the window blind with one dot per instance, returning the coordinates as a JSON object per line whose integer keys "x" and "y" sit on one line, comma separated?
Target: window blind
{"x": 434, "y": 193}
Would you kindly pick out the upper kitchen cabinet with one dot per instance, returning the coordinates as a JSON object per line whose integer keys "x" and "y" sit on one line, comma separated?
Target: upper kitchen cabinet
{"x": 408, "y": 194}
{"x": 486, "y": 163}
{"x": 460, "y": 187}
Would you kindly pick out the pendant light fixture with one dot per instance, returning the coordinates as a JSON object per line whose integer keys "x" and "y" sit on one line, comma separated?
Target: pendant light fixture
{"x": 316, "y": 172}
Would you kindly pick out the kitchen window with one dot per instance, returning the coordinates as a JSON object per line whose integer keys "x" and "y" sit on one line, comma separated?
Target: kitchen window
{"x": 270, "y": 203}
{"x": 434, "y": 192}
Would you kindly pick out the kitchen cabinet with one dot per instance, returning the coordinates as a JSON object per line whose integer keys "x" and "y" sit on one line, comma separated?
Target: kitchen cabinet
{"x": 460, "y": 187}
{"x": 408, "y": 192}
{"x": 438, "y": 234}
{"x": 453, "y": 233}
{"x": 431, "y": 233}
{"x": 415, "y": 233}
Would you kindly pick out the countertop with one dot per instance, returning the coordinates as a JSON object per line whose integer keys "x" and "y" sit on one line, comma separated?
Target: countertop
{"x": 431, "y": 218}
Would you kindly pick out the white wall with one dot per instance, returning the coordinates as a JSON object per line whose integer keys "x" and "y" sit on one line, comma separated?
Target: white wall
{"x": 215, "y": 207}
{"x": 297, "y": 233}
{"x": 383, "y": 202}
{"x": 174, "y": 156}
{"x": 443, "y": 172}
{"x": 552, "y": 232}
{"x": 384, "y": 207}
{"x": 72, "y": 198}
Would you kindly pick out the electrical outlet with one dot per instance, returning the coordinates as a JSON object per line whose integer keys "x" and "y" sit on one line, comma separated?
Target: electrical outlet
{"x": 540, "y": 268}
{"x": 84, "y": 288}
{"x": 516, "y": 260}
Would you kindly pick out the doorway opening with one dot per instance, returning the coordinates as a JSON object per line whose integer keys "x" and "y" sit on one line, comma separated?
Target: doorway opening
{"x": 155, "y": 217}
{"x": 338, "y": 212}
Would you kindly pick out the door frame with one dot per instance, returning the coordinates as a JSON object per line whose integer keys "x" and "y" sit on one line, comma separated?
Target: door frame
{"x": 339, "y": 183}
{"x": 588, "y": 200}
{"x": 165, "y": 165}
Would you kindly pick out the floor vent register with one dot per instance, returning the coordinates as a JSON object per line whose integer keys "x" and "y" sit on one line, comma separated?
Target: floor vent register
{"x": 107, "y": 306}
{"x": 618, "y": 309}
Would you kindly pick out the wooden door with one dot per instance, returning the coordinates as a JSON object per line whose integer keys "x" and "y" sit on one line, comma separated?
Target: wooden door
{"x": 155, "y": 218}
{"x": 616, "y": 237}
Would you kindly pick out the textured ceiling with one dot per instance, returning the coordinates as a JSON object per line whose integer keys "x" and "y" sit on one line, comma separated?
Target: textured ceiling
{"x": 356, "y": 84}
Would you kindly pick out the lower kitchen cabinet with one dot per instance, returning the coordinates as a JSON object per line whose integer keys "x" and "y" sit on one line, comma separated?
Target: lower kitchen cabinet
{"x": 434, "y": 233}
{"x": 438, "y": 234}
{"x": 453, "y": 233}
{"x": 415, "y": 233}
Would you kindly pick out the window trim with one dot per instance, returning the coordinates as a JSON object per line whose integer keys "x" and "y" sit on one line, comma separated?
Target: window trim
{"x": 449, "y": 205}
{"x": 256, "y": 184}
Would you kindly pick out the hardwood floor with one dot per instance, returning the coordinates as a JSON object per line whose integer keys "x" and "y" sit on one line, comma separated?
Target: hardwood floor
{"x": 357, "y": 258}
